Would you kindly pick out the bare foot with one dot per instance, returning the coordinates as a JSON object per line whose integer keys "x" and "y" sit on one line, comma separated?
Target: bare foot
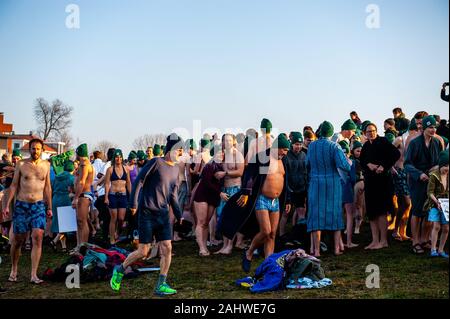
{"x": 338, "y": 253}
{"x": 204, "y": 253}
{"x": 351, "y": 245}
{"x": 376, "y": 247}
{"x": 371, "y": 246}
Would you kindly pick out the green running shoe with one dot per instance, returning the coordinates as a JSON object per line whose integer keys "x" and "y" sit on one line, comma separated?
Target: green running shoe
{"x": 164, "y": 290}
{"x": 116, "y": 279}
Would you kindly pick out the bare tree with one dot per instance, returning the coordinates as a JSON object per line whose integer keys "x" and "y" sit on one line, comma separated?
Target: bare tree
{"x": 66, "y": 138}
{"x": 103, "y": 146}
{"x": 142, "y": 142}
{"x": 52, "y": 119}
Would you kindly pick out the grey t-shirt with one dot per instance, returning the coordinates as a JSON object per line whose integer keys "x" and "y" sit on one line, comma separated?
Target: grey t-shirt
{"x": 159, "y": 189}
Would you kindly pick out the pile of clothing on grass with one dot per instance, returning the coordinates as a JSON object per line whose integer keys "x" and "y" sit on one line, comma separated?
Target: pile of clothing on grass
{"x": 289, "y": 269}
{"x": 95, "y": 264}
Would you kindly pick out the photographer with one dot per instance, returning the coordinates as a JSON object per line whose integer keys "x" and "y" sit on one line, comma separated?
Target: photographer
{"x": 444, "y": 96}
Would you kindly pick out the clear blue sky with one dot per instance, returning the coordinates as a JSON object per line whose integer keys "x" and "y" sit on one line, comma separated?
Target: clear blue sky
{"x": 137, "y": 67}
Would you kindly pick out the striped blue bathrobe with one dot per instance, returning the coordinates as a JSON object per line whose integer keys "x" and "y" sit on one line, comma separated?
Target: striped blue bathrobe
{"x": 324, "y": 160}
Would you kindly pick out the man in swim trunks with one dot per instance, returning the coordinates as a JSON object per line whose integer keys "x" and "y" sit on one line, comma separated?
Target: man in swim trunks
{"x": 272, "y": 179}
{"x": 83, "y": 194}
{"x": 32, "y": 186}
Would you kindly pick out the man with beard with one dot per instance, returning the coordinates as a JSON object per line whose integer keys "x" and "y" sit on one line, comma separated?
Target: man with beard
{"x": 31, "y": 184}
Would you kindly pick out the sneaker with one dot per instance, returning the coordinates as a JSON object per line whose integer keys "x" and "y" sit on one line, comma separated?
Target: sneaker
{"x": 434, "y": 253}
{"x": 443, "y": 254}
{"x": 164, "y": 290}
{"x": 116, "y": 279}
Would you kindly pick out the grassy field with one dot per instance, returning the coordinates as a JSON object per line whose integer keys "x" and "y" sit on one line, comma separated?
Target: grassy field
{"x": 403, "y": 275}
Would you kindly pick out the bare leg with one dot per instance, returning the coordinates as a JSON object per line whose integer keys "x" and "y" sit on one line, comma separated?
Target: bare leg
{"x": 435, "y": 234}
{"x": 269, "y": 247}
{"x": 383, "y": 229}
{"x": 405, "y": 217}
{"x": 82, "y": 220}
{"x": 142, "y": 251}
{"x": 264, "y": 232}
{"x": 210, "y": 213}
{"x": 349, "y": 211}
{"x": 121, "y": 213}
{"x": 36, "y": 252}
{"x": 415, "y": 230}
{"x": 444, "y": 235}
{"x": 201, "y": 212}
{"x": 166, "y": 256}
{"x": 315, "y": 242}
{"x": 212, "y": 229}
{"x": 240, "y": 241}
{"x": 337, "y": 243}
{"x": 16, "y": 246}
{"x": 112, "y": 226}
{"x": 426, "y": 230}
{"x": 375, "y": 235}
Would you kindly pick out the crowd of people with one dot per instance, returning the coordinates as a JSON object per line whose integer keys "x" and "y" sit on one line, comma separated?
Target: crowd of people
{"x": 238, "y": 192}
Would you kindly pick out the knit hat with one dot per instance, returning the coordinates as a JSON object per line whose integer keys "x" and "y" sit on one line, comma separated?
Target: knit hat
{"x": 345, "y": 147}
{"x": 443, "y": 158}
{"x": 16, "y": 153}
{"x": 267, "y": 125}
{"x": 82, "y": 150}
{"x": 190, "y": 144}
{"x": 157, "y": 151}
{"x": 326, "y": 129}
{"x": 132, "y": 155}
{"x": 428, "y": 122}
{"x": 69, "y": 167}
{"x": 141, "y": 156}
{"x": 296, "y": 137}
{"x": 348, "y": 125}
{"x": 205, "y": 143}
{"x": 390, "y": 137}
{"x": 282, "y": 142}
{"x": 118, "y": 152}
{"x": 356, "y": 144}
{"x": 174, "y": 142}
{"x": 413, "y": 125}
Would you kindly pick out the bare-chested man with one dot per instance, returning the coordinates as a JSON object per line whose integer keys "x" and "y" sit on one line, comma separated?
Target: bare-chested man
{"x": 270, "y": 181}
{"x": 233, "y": 169}
{"x": 401, "y": 192}
{"x": 32, "y": 185}
{"x": 83, "y": 193}
{"x": 261, "y": 143}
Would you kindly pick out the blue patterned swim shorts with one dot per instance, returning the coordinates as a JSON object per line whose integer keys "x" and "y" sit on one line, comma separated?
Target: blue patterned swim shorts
{"x": 28, "y": 216}
{"x": 266, "y": 203}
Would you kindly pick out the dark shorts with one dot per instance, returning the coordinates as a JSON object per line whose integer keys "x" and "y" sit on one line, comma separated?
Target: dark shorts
{"x": 118, "y": 201}
{"x": 266, "y": 203}
{"x": 28, "y": 216}
{"x": 400, "y": 183}
{"x": 298, "y": 200}
{"x": 153, "y": 224}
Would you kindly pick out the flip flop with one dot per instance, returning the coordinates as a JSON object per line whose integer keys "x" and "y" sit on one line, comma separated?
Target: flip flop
{"x": 417, "y": 249}
{"x": 36, "y": 281}
{"x": 12, "y": 279}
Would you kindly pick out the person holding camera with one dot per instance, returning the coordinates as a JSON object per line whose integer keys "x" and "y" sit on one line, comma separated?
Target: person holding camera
{"x": 444, "y": 95}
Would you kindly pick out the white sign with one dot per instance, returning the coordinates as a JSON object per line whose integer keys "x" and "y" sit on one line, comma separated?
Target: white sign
{"x": 444, "y": 205}
{"x": 67, "y": 219}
